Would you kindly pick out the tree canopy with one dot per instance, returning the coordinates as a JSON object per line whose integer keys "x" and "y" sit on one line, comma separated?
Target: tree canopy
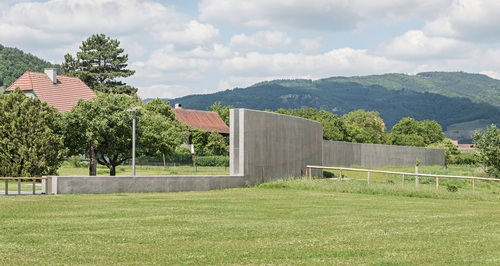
{"x": 104, "y": 125}
{"x": 364, "y": 127}
{"x": 409, "y": 132}
{"x": 30, "y": 141}
{"x": 100, "y": 64}
{"x": 488, "y": 145}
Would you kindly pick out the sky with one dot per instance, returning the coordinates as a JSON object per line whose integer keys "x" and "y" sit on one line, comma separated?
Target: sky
{"x": 184, "y": 47}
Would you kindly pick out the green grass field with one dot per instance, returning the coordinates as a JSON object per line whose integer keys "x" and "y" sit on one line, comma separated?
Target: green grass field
{"x": 282, "y": 222}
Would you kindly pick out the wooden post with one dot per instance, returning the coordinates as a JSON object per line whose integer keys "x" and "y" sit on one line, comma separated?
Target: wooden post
{"x": 369, "y": 177}
{"x": 437, "y": 183}
{"x": 416, "y": 176}
{"x": 6, "y": 187}
{"x": 340, "y": 175}
{"x": 403, "y": 180}
{"x": 34, "y": 187}
{"x": 19, "y": 187}
{"x": 473, "y": 185}
{"x": 310, "y": 173}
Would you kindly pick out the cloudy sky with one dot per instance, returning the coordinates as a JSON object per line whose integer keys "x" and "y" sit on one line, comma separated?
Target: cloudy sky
{"x": 181, "y": 47}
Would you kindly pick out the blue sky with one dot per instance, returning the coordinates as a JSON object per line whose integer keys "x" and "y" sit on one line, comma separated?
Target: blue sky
{"x": 190, "y": 47}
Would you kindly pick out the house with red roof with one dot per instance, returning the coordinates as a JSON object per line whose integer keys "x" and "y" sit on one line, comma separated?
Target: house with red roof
{"x": 61, "y": 92}
{"x": 204, "y": 120}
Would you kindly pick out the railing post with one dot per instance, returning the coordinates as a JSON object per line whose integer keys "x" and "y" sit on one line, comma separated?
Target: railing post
{"x": 369, "y": 177}
{"x": 403, "y": 180}
{"x": 437, "y": 183}
{"x": 310, "y": 173}
{"x": 6, "y": 187}
{"x": 19, "y": 187}
{"x": 340, "y": 175}
{"x": 34, "y": 188}
{"x": 473, "y": 185}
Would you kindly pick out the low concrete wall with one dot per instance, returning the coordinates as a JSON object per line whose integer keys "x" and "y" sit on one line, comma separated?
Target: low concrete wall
{"x": 139, "y": 184}
{"x": 375, "y": 155}
{"x": 267, "y": 146}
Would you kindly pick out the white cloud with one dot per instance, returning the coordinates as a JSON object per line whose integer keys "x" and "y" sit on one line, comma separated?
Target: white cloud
{"x": 414, "y": 44}
{"x": 332, "y": 15}
{"x": 345, "y": 61}
{"x": 471, "y": 20}
{"x": 165, "y": 91}
{"x": 191, "y": 33}
{"x": 265, "y": 40}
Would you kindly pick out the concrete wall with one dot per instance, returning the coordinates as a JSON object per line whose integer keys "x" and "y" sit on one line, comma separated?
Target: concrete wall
{"x": 139, "y": 184}
{"x": 267, "y": 146}
{"x": 374, "y": 155}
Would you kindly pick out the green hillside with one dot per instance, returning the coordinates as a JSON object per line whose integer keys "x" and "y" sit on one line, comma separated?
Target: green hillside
{"x": 14, "y": 62}
{"x": 450, "y": 98}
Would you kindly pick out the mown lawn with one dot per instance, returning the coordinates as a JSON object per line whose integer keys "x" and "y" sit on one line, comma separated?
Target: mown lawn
{"x": 283, "y": 222}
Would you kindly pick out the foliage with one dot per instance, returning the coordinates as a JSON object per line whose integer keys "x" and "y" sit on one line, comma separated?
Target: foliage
{"x": 409, "y": 132}
{"x": 334, "y": 127}
{"x": 464, "y": 158}
{"x": 217, "y": 143}
{"x": 222, "y": 111}
{"x": 100, "y": 64}
{"x": 488, "y": 145}
{"x": 450, "y": 150}
{"x": 104, "y": 124}
{"x": 364, "y": 127}
{"x": 30, "y": 141}
{"x": 14, "y": 62}
{"x": 212, "y": 160}
{"x": 199, "y": 138}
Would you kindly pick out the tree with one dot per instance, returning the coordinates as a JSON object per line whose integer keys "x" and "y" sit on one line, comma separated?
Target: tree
{"x": 223, "y": 112}
{"x": 217, "y": 143}
{"x": 364, "y": 127}
{"x": 449, "y": 148}
{"x": 488, "y": 145}
{"x": 104, "y": 125}
{"x": 100, "y": 64}
{"x": 30, "y": 141}
{"x": 409, "y": 132}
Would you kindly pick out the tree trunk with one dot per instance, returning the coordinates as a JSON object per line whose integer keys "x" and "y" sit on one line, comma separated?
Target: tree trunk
{"x": 93, "y": 161}
{"x": 112, "y": 170}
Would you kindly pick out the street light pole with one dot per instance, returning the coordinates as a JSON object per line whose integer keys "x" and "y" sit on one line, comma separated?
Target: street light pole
{"x": 133, "y": 109}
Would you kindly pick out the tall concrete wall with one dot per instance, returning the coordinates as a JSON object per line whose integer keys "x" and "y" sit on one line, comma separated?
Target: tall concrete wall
{"x": 375, "y": 155}
{"x": 267, "y": 146}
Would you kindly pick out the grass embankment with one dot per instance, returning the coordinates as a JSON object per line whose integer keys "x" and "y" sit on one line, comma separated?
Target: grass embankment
{"x": 282, "y": 222}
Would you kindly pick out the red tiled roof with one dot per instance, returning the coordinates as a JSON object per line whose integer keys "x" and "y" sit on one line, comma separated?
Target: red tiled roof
{"x": 62, "y": 96}
{"x": 205, "y": 120}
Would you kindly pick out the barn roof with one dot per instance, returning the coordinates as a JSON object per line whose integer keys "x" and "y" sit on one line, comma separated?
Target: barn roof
{"x": 62, "y": 95}
{"x": 205, "y": 120}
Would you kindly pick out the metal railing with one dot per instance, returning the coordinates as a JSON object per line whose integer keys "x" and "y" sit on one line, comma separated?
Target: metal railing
{"x": 473, "y": 178}
{"x": 19, "y": 183}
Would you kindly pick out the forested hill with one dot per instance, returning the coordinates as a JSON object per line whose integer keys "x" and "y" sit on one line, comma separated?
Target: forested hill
{"x": 447, "y": 97}
{"x": 14, "y": 62}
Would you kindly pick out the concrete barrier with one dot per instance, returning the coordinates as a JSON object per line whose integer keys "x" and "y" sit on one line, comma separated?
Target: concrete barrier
{"x": 375, "y": 155}
{"x": 266, "y": 146}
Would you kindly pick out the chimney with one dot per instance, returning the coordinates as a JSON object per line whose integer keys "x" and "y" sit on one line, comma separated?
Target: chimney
{"x": 178, "y": 106}
{"x": 52, "y": 73}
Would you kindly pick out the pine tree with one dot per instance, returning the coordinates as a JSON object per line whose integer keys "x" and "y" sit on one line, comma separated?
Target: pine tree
{"x": 99, "y": 64}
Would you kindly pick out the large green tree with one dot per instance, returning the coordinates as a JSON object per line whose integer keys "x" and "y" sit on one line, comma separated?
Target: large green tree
{"x": 488, "y": 145}
{"x": 364, "y": 127}
{"x": 104, "y": 126}
{"x": 100, "y": 64}
{"x": 409, "y": 132}
{"x": 30, "y": 142}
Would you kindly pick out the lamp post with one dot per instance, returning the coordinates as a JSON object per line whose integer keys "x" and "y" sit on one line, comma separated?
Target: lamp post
{"x": 133, "y": 109}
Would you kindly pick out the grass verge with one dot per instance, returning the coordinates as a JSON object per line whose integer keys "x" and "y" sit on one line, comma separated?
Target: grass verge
{"x": 282, "y": 222}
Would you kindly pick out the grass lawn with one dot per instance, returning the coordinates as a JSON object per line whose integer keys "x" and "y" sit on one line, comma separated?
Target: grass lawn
{"x": 283, "y": 222}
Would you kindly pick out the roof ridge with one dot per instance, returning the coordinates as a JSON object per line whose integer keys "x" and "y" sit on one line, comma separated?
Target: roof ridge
{"x": 29, "y": 78}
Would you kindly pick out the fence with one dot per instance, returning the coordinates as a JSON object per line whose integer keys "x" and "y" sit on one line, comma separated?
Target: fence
{"x": 473, "y": 178}
{"x": 19, "y": 183}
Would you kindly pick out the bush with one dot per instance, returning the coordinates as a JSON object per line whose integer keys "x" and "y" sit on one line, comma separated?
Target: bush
{"x": 75, "y": 161}
{"x": 464, "y": 158}
{"x": 212, "y": 161}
